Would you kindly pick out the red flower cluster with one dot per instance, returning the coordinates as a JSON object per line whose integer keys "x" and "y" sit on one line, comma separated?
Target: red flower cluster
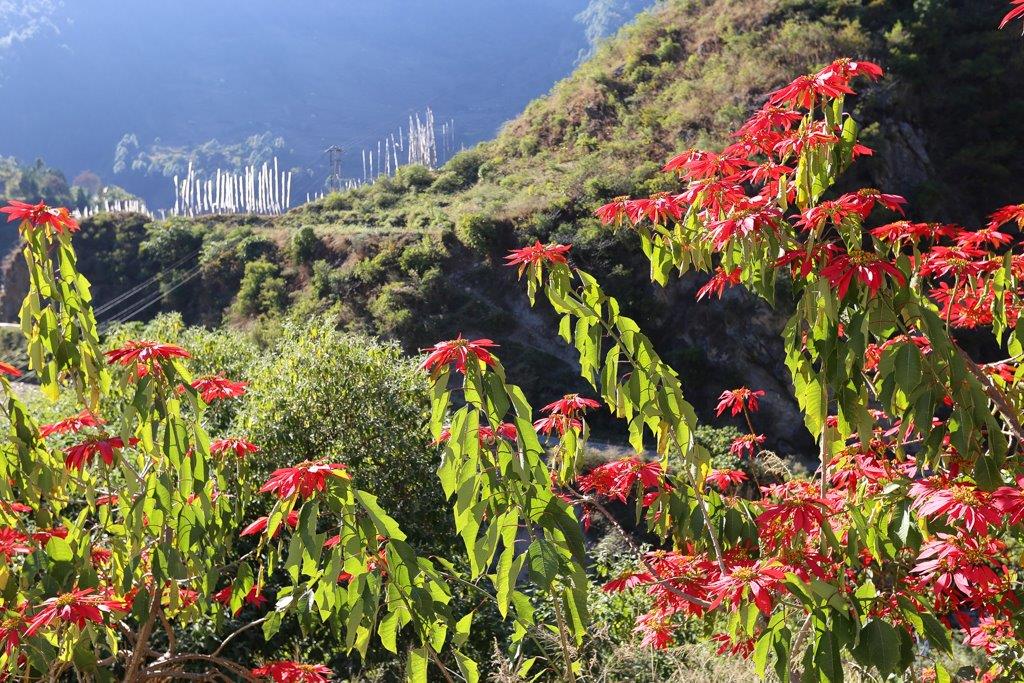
{"x": 40, "y": 215}
{"x": 214, "y": 387}
{"x": 457, "y": 351}
{"x": 485, "y": 435}
{"x": 756, "y": 580}
{"x": 13, "y": 542}
{"x": 293, "y": 672}
{"x": 304, "y": 479}
{"x": 144, "y": 354}
{"x": 1016, "y": 12}
{"x": 619, "y": 478}
{"x": 571, "y": 404}
{"x": 71, "y": 425}
{"x": 77, "y": 607}
{"x": 867, "y": 268}
{"x": 78, "y": 456}
{"x": 260, "y": 524}
{"x": 254, "y": 597}
{"x": 240, "y": 447}
{"x": 738, "y": 400}
{"x": 723, "y": 479}
{"x": 719, "y": 281}
{"x": 536, "y": 255}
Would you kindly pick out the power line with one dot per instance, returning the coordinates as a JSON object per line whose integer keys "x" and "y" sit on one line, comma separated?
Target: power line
{"x": 134, "y": 309}
{"x": 139, "y": 287}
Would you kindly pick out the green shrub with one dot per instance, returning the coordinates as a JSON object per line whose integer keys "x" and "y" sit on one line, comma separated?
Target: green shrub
{"x": 466, "y": 165}
{"x": 305, "y": 244}
{"x": 529, "y": 145}
{"x": 323, "y": 280}
{"x": 480, "y": 232}
{"x": 256, "y": 247}
{"x": 337, "y": 201}
{"x": 262, "y": 290}
{"x": 422, "y": 256}
{"x": 390, "y": 308}
{"x": 668, "y": 49}
{"x": 414, "y": 176}
{"x": 448, "y": 183}
{"x": 325, "y": 394}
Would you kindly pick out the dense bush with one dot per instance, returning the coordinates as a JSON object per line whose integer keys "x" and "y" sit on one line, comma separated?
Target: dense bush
{"x": 320, "y": 393}
{"x": 262, "y": 290}
{"x": 479, "y": 232}
{"x": 305, "y": 245}
{"x": 414, "y": 177}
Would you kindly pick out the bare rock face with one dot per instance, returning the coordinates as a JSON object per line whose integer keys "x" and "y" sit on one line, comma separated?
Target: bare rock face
{"x": 15, "y": 284}
{"x": 904, "y": 160}
{"x": 741, "y": 340}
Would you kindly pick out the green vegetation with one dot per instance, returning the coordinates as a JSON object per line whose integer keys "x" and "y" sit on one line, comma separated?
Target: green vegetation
{"x": 411, "y": 258}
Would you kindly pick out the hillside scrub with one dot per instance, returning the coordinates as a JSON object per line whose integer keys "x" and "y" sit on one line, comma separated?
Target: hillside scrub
{"x": 683, "y": 74}
{"x": 139, "y": 540}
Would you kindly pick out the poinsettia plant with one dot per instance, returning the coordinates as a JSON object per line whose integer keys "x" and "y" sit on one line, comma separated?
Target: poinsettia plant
{"x": 905, "y": 535}
{"x": 124, "y": 525}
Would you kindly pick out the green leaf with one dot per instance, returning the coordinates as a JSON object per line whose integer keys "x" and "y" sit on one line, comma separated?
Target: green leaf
{"x": 462, "y": 629}
{"x": 388, "y": 630}
{"x": 386, "y": 526}
{"x": 936, "y": 633}
{"x": 826, "y": 656}
{"x": 58, "y": 550}
{"x": 907, "y": 366}
{"x": 467, "y": 667}
{"x": 878, "y": 646}
{"x": 543, "y": 562}
{"x": 416, "y": 667}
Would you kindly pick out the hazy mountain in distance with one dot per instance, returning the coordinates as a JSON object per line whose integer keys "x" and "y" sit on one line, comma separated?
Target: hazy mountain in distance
{"x": 224, "y": 77}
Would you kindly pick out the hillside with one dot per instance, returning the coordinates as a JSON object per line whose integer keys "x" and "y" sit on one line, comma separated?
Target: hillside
{"x": 415, "y": 257}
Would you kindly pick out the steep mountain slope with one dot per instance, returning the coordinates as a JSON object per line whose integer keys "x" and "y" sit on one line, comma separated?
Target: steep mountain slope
{"x": 416, "y": 257}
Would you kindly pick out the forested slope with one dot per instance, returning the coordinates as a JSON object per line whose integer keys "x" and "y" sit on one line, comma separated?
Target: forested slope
{"x": 416, "y": 257}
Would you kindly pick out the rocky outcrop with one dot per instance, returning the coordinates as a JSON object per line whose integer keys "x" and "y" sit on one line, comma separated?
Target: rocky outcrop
{"x": 15, "y": 282}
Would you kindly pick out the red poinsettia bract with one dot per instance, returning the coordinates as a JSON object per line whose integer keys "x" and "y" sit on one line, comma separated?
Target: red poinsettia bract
{"x": 1016, "y": 12}
{"x": 293, "y": 672}
{"x": 718, "y": 282}
{"x": 738, "y": 400}
{"x": 617, "y": 479}
{"x": 571, "y": 404}
{"x": 13, "y": 542}
{"x": 71, "y": 425}
{"x": 865, "y": 267}
{"x": 239, "y": 446}
{"x": 40, "y": 214}
{"x": 77, "y": 607}
{"x": 758, "y": 580}
{"x": 951, "y": 563}
{"x": 144, "y": 352}
{"x": 958, "y": 501}
{"x": 303, "y": 479}
{"x": 557, "y": 423}
{"x": 254, "y": 597}
{"x": 723, "y": 479}
{"x": 78, "y": 456}
{"x": 260, "y": 524}
{"x": 214, "y": 387}
{"x": 457, "y": 351}
{"x": 536, "y": 255}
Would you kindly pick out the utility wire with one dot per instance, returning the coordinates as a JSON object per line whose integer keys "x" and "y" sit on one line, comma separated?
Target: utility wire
{"x": 134, "y": 309}
{"x": 139, "y": 287}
